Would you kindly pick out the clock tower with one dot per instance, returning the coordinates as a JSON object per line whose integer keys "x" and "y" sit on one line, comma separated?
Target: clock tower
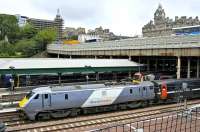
{"x": 159, "y": 16}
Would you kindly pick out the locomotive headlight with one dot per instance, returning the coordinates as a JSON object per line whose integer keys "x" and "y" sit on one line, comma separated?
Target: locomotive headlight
{"x": 23, "y": 102}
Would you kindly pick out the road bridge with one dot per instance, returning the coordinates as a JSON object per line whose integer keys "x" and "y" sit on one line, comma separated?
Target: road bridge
{"x": 168, "y": 50}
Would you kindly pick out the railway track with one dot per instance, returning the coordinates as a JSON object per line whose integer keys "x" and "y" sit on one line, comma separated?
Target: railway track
{"x": 89, "y": 120}
{"x": 7, "y": 116}
{"x": 12, "y": 97}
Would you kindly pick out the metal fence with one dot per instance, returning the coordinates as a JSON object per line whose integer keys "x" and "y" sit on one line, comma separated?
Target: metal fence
{"x": 184, "y": 121}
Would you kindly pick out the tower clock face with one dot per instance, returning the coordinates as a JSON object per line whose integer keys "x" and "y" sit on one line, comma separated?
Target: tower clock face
{"x": 157, "y": 14}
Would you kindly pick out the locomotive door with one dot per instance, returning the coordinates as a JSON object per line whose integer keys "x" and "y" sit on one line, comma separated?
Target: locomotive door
{"x": 143, "y": 92}
{"x": 46, "y": 100}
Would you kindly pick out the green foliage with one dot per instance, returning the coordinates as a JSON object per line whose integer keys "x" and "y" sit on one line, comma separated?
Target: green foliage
{"x": 74, "y": 37}
{"x": 8, "y": 27}
{"x": 6, "y": 49}
{"x": 26, "y": 48}
{"x": 22, "y": 41}
{"x": 45, "y": 36}
{"x": 27, "y": 32}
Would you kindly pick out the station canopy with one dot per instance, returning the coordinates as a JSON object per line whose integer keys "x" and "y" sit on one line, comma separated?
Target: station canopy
{"x": 55, "y": 65}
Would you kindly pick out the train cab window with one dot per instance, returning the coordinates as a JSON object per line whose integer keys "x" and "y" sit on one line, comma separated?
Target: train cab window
{"x": 30, "y": 95}
{"x": 46, "y": 96}
{"x": 131, "y": 91}
{"x": 66, "y": 96}
{"x": 37, "y": 96}
{"x": 151, "y": 87}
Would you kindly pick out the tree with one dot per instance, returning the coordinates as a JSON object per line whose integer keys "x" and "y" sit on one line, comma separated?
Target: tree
{"x": 8, "y": 27}
{"x": 26, "y": 47}
{"x": 28, "y": 31}
{"x": 45, "y": 36}
{"x": 6, "y": 49}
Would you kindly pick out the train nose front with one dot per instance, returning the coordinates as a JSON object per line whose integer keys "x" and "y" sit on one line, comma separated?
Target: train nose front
{"x": 23, "y": 102}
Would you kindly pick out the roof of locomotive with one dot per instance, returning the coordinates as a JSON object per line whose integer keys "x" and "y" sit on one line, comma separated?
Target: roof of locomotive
{"x": 42, "y": 90}
{"x": 50, "y": 89}
{"x": 77, "y": 87}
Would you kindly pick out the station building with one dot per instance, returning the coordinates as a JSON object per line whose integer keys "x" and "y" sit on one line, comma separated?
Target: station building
{"x": 39, "y": 71}
{"x": 168, "y": 46}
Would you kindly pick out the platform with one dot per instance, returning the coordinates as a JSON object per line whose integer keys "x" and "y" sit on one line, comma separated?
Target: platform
{"x": 8, "y": 110}
{"x": 8, "y": 105}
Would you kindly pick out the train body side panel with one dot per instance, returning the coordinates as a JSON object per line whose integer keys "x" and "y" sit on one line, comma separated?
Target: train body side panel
{"x": 135, "y": 93}
{"x": 104, "y": 96}
{"x": 70, "y": 99}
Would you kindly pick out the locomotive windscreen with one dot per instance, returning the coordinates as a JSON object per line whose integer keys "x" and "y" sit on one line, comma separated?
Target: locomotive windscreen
{"x": 29, "y": 94}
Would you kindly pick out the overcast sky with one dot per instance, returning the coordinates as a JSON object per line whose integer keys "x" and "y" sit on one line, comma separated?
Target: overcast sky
{"x": 125, "y": 17}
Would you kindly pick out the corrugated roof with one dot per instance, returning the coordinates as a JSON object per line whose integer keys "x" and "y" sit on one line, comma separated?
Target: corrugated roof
{"x": 40, "y": 63}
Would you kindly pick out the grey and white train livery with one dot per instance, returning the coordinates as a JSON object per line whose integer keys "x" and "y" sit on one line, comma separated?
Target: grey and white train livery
{"x": 62, "y": 101}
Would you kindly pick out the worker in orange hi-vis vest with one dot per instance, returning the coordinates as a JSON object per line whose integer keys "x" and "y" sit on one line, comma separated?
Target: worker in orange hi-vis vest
{"x": 163, "y": 91}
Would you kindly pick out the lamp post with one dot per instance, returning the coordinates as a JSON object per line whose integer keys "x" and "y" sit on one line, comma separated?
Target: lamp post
{"x": 59, "y": 78}
{"x": 12, "y": 82}
{"x": 12, "y": 79}
{"x": 87, "y": 78}
{"x": 88, "y": 69}
{"x": 186, "y": 93}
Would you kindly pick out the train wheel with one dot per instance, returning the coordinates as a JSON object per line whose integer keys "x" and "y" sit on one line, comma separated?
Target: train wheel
{"x": 60, "y": 113}
{"x": 122, "y": 107}
{"x": 144, "y": 104}
{"x": 75, "y": 112}
{"x": 43, "y": 116}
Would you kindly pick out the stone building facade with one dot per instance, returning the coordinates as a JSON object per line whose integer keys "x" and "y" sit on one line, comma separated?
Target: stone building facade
{"x": 105, "y": 34}
{"x": 162, "y": 25}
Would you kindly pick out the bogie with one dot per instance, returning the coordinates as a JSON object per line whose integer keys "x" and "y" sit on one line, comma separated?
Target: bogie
{"x": 43, "y": 116}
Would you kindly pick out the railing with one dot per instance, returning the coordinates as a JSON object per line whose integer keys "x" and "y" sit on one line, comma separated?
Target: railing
{"x": 179, "y": 122}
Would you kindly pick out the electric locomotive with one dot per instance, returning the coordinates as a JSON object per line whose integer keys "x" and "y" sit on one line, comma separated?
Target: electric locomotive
{"x": 62, "y": 101}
